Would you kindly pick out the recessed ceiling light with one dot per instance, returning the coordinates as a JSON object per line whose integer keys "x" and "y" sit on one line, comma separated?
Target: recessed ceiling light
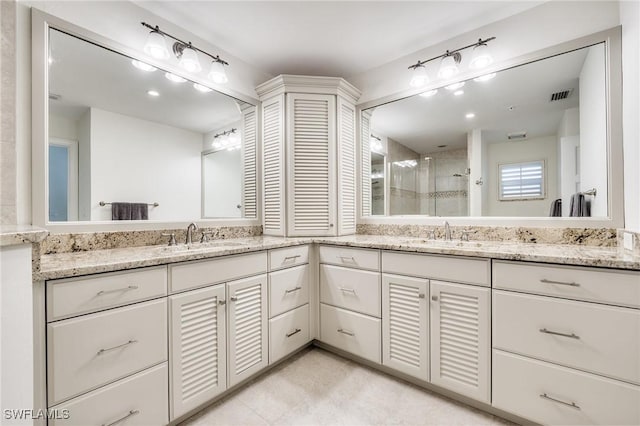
{"x": 458, "y": 92}
{"x": 470, "y": 115}
{"x": 455, "y": 86}
{"x": 153, "y": 93}
{"x": 429, "y": 93}
{"x": 485, "y": 77}
{"x": 201, "y": 88}
{"x": 142, "y": 66}
{"x": 174, "y": 78}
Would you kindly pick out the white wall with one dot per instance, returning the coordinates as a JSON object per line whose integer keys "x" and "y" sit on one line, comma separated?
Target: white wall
{"x": 630, "y": 20}
{"x": 516, "y": 152}
{"x": 136, "y": 160}
{"x": 593, "y": 130}
{"x": 475, "y": 153}
{"x": 63, "y": 127}
{"x": 16, "y": 331}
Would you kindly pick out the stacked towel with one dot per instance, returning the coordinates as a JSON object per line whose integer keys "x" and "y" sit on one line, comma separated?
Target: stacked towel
{"x": 556, "y": 208}
{"x": 579, "y": 206}
{"x": 129, "y": 211}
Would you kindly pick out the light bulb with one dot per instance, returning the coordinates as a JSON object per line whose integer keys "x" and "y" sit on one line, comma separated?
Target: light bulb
{"x": 217, "y": 73}
{"x": 429, "y": 93}
{"x": 189, "y": 60}
{"x": 156, "y": 46}
{"x": 419, "y": 77}
{"x": 201, "y": 88}
{"x": 174, "y": 78}
{"x": 142, "y": 66}
{"x": 455, "y": 86}
{"x": 481, "y": 57}
{"x": 448, "y": 67}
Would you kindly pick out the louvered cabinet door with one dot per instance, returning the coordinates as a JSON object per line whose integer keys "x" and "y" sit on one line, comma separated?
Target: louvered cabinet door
{"x": 346, "y": 167}
{"x": 405, "y": 325}
{"x": 248, "y": 351}
{"x": 273, "y": 166}
{"x": 311, "y": 160}
{"x": 250, "y": 163}
{"x": 460, "y": 339}
{"x": 197, "y": 348}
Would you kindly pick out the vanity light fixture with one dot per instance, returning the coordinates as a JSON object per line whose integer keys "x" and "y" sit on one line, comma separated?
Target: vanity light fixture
{"x": 429, "y": 93}
{"x": 185, "y": 52}
{"x": 450, "y": 61}
{"x": 153, "y": 93}
{"x": 228, "y": 140}
{"x": 174, "y": 78}
{"x": 485, "y": 77}
{"x": 142, "y": 66}
{"x": 201, "y": 88}
{"x": 455, "y": 86}
{"x": 375, "y": 143}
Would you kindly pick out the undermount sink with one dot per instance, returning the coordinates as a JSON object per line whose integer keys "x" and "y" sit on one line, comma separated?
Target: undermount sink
{"x": 200, "y": 246}
{"x": 443, "y": 243}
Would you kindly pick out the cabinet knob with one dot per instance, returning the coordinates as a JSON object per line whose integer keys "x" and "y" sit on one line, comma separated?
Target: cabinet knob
{"x": 421, "y": 295}
{"x": 233, "y": 299}
{"x": 222, "y": 302}
{"x": 434, "y": 298}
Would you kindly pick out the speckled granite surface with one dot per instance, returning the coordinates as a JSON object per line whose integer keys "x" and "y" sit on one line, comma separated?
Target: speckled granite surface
{"x": 87, "y": 241}
{"x": 601, "y": 237}
{"x": 90, "y": 262}
{"x": 21, "y": 234}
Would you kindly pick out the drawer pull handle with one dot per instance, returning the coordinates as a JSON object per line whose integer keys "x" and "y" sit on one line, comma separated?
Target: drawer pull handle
{"x": 348, "y": 333}
{"x": 556, "y": 333}
{"x": 130, "y": 342}
{"x": 121, "y": 419}
{"x": 348, "y": 290}
{"x": 296, "y": 331}
{"x": 288, "y": 258}
{"x": 222, "y": 302}
{"x": 568, "y": 404}
{"x": 118, "y": 290}
{"x": 350, "y": 259}
{"x": 233, "y": 299}
{"x": 292, "y": 290}
{"x": 421, "y": 296}
{"x": 546, "y": 281}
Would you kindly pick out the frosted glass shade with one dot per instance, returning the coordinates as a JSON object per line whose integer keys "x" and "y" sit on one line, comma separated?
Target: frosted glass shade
{"x": 419, "y": 77}
{"x": 217, "y": 73}
{"x": 189, "y": 60}
{"x": 156, "y": 46}
{"x": 448, "y": 67}
{"x": 481, "y": 57}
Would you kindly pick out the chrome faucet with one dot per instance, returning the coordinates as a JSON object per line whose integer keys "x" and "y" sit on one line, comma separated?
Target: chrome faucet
{"x": 192, "y": 227}
{"x": 447, "y": 231}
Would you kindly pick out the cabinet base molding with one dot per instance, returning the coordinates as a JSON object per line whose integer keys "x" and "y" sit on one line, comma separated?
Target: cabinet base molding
{"x": 238, "y": 386}
{"x": 424, "y": 385}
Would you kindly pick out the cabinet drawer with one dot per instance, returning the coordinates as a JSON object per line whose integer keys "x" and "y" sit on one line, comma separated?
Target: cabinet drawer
{"x": 288, "y": 289}
{"x": 96, "y": 349}
{"x": 350, "y": 257}
{"x": 446, "y": 268}
{"x": 75, "y": 296}
{"x": 597, "y": 338}
{"x": 198, "y": 274}
{"x": 591, "y": 284}
{"x": 525, "y": 387}
{"x": 141, "y": 398}
{"x": 351, "y": 289}
{"x": 351, "y": 332}
{"x": 288, "y": 257}
{"x": 288, "y": 332}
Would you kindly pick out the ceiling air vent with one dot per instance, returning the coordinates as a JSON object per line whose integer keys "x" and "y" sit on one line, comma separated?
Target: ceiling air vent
{"x": 563, "y": 94}
{"x": 515, "y": 136}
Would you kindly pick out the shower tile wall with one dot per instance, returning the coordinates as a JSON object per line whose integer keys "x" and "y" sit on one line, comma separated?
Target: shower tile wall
{"x": 445, "y": 194}
{"x": 403, "y": 180}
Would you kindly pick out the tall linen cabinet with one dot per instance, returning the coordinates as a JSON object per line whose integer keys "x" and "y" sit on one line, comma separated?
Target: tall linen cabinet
{"x": 309, "y": 156}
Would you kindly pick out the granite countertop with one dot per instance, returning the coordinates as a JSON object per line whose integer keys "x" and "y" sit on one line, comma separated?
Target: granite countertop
{"x": 90, "y": 262}
{"x": 21, "y": 234}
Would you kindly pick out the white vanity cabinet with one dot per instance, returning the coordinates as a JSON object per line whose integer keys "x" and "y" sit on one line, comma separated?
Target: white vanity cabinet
{"x": 566, "y": 343}
{"x": 309, "y": 138}
{"x": 456, "y": 320}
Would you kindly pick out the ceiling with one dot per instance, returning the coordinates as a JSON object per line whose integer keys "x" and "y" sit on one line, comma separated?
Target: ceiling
{"x": 329, "y": 38}
{"x": 517, "y": 99}
{"x": 82, "y": 75}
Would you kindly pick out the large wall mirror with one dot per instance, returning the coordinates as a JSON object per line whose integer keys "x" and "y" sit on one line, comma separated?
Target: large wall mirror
{"x": 533, "y": 140}
{"x": 126, "y": 140}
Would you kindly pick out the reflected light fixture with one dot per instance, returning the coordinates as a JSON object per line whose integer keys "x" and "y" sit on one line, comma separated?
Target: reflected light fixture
{"x": 458, "y": 92}
{"x": 470, "y": 115}
{"x": 142, "y": 66}
{"x": 450, "y": 61}
{"x": 156, "y": 45}
{"x": 174, "y": 78}
{"x": 185, "y": 52}
{"x": 485, "y": 77}
{"x": 153, "y": 93}
{"x": 375, "y": 143}
{"x": 429, "y": 93}
{"x": 228, "y": 140}
{"x": 201, "y": 88}
{"x": 455, "y": 86}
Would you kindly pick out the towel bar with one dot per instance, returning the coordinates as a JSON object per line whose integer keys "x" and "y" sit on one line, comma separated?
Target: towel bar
{"x": 102, "y": 204}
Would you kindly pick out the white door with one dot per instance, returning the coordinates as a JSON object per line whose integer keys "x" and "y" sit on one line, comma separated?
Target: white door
{"x": 460, "y": 339}
{"x": 311, "y": 136}
{"x": 248, "y": 351}
{"x": 197, "y": 356}
{"x": 405, "y": 325}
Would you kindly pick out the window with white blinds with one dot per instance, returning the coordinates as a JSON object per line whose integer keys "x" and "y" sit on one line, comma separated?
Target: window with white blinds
{"x": 522, "y": 181}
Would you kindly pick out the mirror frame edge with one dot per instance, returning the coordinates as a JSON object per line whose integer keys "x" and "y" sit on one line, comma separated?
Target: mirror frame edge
{"x": 612, "y": 39}
{"x": 41, "y": 22}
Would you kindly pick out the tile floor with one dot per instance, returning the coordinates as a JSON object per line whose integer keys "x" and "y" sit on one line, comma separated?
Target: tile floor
{"x": 316, "y": 387}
